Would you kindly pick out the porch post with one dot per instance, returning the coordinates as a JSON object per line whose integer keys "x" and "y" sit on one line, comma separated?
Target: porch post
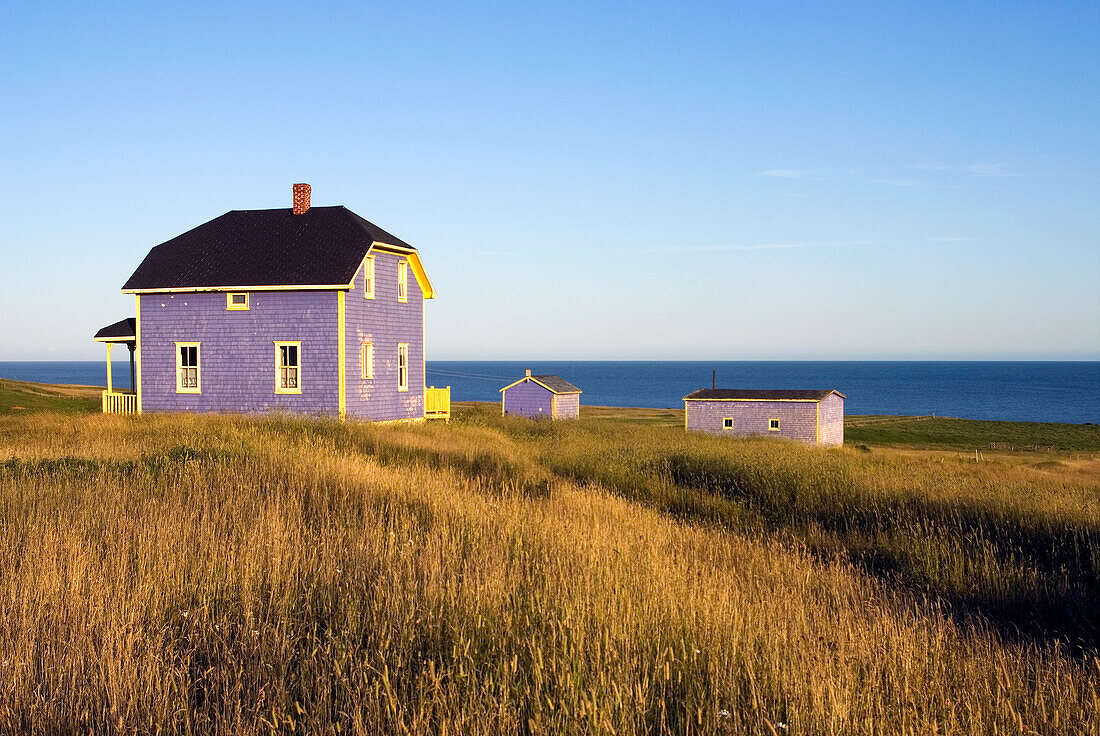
{"x": 133, "y": 378}
{"x": 109, "y": 346}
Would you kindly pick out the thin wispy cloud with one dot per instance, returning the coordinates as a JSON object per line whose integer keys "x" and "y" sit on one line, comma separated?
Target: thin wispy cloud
{"x": 786, "y": 173}
{"x": 935, "y": 174}
{"x": 760, "y": 246}
{"x": 978, "y": 169}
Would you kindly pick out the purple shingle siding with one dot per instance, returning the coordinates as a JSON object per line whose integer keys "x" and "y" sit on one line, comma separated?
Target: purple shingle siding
{"x": 798, "y": 420}
{"x": 567, "y": 406}
{"x": 385, "y": 322}
{"x": 832, "y": 420}
{"x": 237, "y": 351}
{"x": 528, "y": 399}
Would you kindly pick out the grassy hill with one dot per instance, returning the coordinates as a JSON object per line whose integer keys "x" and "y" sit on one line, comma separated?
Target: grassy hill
{"x": 608, "y": 575}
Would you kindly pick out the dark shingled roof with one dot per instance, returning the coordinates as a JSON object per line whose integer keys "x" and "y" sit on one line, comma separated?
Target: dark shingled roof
{"x": 788, "y": 394}
{"x": 557, "y": 385}
{"x": 322, "y": 247}
{"x": 123, "y": 328}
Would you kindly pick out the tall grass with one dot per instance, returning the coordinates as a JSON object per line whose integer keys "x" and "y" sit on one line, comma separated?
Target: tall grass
{"x": 1017, "y": 546}
{"x": 225, "y": 575}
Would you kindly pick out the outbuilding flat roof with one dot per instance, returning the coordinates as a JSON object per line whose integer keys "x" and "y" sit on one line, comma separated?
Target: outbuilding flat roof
{"x": 738, "y": 394}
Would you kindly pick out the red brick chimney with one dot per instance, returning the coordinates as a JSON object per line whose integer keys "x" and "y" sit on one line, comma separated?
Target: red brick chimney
{"x": 301, "y": 198}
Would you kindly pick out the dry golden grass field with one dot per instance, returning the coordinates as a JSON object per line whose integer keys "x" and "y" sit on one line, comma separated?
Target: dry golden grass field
{"x": 233, "y": 575}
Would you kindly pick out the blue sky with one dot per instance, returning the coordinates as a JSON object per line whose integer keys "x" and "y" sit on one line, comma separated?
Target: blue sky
{"x": 584, "y": 181}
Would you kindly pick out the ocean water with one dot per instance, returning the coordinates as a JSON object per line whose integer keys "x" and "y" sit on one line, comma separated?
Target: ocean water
{"x": 1018, "y": 391}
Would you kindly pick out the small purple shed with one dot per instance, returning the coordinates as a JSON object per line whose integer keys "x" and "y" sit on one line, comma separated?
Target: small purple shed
{"x": 816, "y": 417}
{"x": 541, "y": 397}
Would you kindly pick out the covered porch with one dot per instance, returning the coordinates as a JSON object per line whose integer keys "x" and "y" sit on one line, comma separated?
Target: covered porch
{"x": 120, "y": 400}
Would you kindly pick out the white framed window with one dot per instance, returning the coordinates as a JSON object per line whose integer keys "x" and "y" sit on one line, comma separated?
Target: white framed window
{"x": 727, "y": 423}
{"x": 288, "y": 367}
{"x": 368, "y": 277}
{"x": 403, "y": 367}
{"x": 773, "y": 425}
{"x": 237, "y": 301}
{"x": 187, "y": 368}
{"x": 367, "y": 355}
{"x": 403, "y": 281}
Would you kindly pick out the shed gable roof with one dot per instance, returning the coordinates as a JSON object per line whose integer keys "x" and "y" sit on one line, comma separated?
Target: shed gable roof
{"x": 552, "y": 383}
{"x": 736, "y": 394}
{"x": 322, "y": 247}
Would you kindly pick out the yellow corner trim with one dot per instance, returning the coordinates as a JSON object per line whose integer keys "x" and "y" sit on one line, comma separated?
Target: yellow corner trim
{"x": 137, "y": 349}
{"x": 341, "y": 357}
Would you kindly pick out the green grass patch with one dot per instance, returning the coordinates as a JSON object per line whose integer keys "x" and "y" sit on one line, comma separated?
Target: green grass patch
{"x": 18, "y": 397}
{"x": 970, "y": 434}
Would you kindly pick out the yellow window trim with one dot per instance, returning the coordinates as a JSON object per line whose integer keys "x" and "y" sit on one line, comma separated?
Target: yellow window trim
{"x": 403, "y": 281}
{"x": 770, "y": 427}
{"x": 727, "y": 419}
{"x": 230, "y": 306}
{"x": 403, "y": 347}
{"x": 198, "y": 368}
{"x": 368, "y": 277}
{"x": 287, "y": 343}
{"x": 366, "y": 356}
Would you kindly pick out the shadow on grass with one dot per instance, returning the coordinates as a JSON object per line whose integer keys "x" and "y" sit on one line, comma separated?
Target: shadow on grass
{"x": 1031, "y": 578}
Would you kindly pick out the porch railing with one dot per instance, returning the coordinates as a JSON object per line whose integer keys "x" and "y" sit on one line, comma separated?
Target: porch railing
{"x": 437, "y": 403}
{"x": 118, "y": 402}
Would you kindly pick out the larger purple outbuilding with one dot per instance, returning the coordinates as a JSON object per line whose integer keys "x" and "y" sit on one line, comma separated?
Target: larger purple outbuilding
{"x": 815, "y": 416}
{"x": 305, "y": 309}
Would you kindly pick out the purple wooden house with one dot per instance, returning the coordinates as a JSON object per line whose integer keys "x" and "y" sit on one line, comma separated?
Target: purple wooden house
{"x": 816, "y": 417}
{"x": 308, "y": 310}
{"x": 537, "y": 397}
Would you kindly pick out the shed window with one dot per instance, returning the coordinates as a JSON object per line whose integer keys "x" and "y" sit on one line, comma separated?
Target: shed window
{"x": 187, "y": 368}
{"x": 403, "y": 367}
{"x": 237, "y": 301}
{"x": 727, "y": 423}
{"x": 403, "y": 281}
{"x": 773, "y": 425}
{"x": 368, "y": 360}
{"x": 368, "y": 277}
{"x": 288, "y": 367}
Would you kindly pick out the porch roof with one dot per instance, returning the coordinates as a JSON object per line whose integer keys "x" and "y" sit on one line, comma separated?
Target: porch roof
{"x": 125, "y": 330}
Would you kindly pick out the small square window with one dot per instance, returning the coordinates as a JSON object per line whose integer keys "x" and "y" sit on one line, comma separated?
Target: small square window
{"x": 236, "y": 301}
{"x": 727, "y": 423}
{"x": 773, "y": 425}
